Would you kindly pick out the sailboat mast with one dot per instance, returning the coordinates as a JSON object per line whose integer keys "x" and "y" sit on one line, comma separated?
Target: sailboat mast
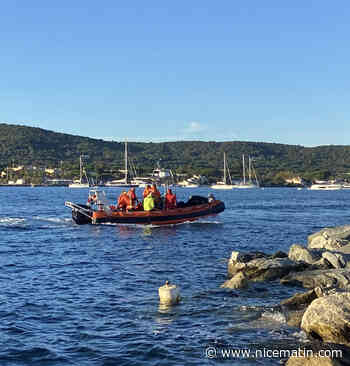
{"x": 126, "y": 162}
{"x": 225, "y": 168}
{"x": 250, "y": 169}
{"x": 81, "y": 170}
{"x": 243, "y": 169}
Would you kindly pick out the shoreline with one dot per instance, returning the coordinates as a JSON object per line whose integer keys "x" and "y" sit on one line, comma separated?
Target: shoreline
{"x": 322, "y": 268}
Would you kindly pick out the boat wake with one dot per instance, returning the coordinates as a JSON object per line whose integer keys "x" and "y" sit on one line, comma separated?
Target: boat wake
{"x": 20, "y": 223}
{"x": 57, "y": 220}
{"x": 205, "y": 222}
{"x": 12, "y": 221}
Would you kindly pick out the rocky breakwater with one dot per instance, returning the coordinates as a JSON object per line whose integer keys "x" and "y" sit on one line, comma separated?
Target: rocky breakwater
{"x": 323, "y": 268}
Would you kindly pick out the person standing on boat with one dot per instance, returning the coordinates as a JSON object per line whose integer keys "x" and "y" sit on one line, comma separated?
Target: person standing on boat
{"x": 170, "y": 199}
{"x": 123, "y": 201}
{"x": 157, "y": 196}
{"x": 132, "y": 199}
{"x": 147, "y": 191}
{"x": 148, "y": 202}
{"x": 92, "y": 199}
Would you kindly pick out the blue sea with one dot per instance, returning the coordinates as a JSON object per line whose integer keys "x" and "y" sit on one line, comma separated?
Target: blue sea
{"x": 88, "y": 295}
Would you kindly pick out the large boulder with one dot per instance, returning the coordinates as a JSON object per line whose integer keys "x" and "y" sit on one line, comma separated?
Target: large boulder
{"x": 338, "y": 278}
{"x": 298, "y": 253}
{"x": 314, "y": 361}
{"x": 238, "y": 260}
{"x": 337, "y": 260}
{"x": 328, "y": 319}
{"x": 261, "y": 267}
{"x": 330, "y": 238}
{"x": 319, "y": 258}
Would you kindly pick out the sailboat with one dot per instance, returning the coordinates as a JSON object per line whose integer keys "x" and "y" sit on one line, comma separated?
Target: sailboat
{"x": 250, "y": 183}
{"x": 79, "y": 183}
{"x": 226, "y": 183}
{"x": 123, "y": 182}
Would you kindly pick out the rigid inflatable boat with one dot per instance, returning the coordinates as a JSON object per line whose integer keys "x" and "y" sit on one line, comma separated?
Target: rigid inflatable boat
{"x": 102, "y": 212}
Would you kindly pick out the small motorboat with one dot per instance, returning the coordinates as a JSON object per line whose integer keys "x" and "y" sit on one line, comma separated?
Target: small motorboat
{"x": 100, "y": 211}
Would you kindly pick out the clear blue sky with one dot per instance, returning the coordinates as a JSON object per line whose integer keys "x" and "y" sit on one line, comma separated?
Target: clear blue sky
{"x": 272, "y": 70}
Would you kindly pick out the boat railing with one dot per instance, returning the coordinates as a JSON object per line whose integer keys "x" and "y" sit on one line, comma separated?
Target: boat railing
{"x": 82, "y": 210}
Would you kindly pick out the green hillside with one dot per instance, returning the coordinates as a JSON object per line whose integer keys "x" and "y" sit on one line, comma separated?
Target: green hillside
{"x": 20, "y": 145}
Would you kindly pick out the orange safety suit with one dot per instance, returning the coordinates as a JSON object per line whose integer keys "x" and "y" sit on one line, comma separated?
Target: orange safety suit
{"x": 123, "y": 201}
{"x": 147, "y": 191}
{"x": 170, "y": 200}
{"x": 132, "y": 198}
{"x": 156, "y": 193}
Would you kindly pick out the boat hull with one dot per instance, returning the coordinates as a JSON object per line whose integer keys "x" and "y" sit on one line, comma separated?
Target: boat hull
{"x": 156, "y": 217}
{"x": 222, "y": 186}
{"x": 79, "y": 185}
{"x": 326, "y": 187}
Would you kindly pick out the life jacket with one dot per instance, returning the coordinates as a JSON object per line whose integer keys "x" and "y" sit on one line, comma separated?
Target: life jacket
{"x": 147, "y": 191}
{"x": 155, "y": 192}
{"x": 170, "y": 199}
{"x": 148, "y": 203}
{"x": 123, "y": 201}
{"x": 92, "y": 199}
{"x": 132, "y": 199}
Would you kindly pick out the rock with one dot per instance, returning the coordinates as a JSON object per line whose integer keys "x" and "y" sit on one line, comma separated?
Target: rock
{"x": 328, "y": 319}
{"x": 298, "y": 253}
{"x": 330, "y": 238}
{"x": 295, "y": 307}
{"x": 338, "y": 278}
{"x": 269, "y": 269}
{"x": 321, "y": 264}
{"x": 239, "y": 280}
{"x": 313, "y": 361}
{"x": 320, "y": 354}
{"x": 238, "y": 259}
{"x": 300, "y": 300}
{"x": 294, "y": 317}
{"x": 259, "y": 266}
{"x": 169, "y": 294}
{"x": 279, "y": 254}
{"x": 337, "y": 260}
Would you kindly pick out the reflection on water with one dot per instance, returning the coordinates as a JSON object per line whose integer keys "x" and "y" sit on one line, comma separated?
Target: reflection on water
{"x": 167, "y": 314}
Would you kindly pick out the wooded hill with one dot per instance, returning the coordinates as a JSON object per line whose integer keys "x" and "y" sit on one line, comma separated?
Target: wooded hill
{"x": 20, "y": 145}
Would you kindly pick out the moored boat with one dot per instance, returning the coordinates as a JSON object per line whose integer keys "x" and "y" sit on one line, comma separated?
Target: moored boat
{"x": 125, "y": 182}
{"x": 80, "y": 183}
{"x": 102, "y": 212}
{"x": 250, "y": 183}
{"x": 326, "y": 186}
{"x": 226, "y": 182}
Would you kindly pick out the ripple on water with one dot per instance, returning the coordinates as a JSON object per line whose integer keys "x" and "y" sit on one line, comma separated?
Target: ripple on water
{"x": 88, "y": 295}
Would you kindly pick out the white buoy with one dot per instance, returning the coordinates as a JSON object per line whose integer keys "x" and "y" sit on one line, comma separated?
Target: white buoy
{"x": 169, "y": 294}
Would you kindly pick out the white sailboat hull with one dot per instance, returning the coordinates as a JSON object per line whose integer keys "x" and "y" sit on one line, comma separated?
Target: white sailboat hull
{"x": 222, "y": 186}
{"x": 121, "y": 185}
{"x": 79, "y": 185}
{"x": 245, "y": 186}
{"x": 326, "y": 187}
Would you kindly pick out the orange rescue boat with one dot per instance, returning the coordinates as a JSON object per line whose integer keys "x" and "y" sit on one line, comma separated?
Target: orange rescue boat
{"x": 102, "y": 212}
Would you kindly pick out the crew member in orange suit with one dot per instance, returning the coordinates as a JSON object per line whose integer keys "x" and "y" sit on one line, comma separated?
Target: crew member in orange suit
{"x": 147, "y": 191}
{"x": 154, "y": 190}
{"x": 170, "y": 200}
{"x": 132, "y": 199}
{"x": 123, "y": 201}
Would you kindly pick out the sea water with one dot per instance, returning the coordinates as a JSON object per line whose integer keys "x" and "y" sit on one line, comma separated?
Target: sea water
{"x": 88, "y": 295}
